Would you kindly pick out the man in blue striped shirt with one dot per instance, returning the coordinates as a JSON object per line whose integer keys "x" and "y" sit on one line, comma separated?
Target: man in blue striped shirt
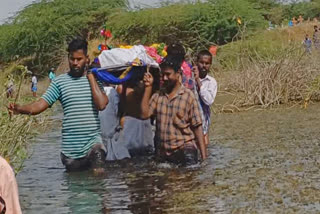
{"x": 81, "y": 97}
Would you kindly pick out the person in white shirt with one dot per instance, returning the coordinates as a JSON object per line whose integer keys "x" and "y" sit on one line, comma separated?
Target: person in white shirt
{"x": 207, "y": 88}
{"x": 34, "y": 82}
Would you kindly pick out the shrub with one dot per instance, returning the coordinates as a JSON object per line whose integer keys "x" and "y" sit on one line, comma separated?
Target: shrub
{"x": 196, "y": 25}
{"x": 41, "y": 29}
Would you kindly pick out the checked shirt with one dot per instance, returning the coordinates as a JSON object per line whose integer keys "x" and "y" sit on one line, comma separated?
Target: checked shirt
{"x": 175, "y": 119}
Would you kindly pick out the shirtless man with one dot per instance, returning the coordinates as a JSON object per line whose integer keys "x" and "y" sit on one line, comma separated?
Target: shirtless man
{"x": 137, "y": 134}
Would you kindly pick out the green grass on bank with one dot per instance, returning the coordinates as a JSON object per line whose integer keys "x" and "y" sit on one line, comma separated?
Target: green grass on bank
{"x": 265, "y": 44}
{"x": 16, "y": 132}
{"x": 200, "y": 24}
{"x": 196, "y": 25}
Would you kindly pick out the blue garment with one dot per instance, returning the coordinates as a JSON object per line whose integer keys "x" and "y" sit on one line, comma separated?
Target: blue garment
{"x": 108, "y": 77}
{"x": 34, "y": 87}
{"x": 290, "y": 23}
{"x": 52, "y": 76}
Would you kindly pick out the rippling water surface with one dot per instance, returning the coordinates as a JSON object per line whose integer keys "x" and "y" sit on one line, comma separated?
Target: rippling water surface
{"x": 260, "y": 162}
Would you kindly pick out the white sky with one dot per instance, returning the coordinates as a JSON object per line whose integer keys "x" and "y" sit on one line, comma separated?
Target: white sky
{"x": 9, "y": 7}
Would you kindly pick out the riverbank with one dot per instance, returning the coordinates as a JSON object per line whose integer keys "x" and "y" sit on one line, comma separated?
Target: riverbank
{"x": 260, "y": 162}
{"x": 18, "y": 131}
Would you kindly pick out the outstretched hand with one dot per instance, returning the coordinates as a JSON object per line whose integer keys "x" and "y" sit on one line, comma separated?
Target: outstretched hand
{"x": 148, "y": 80}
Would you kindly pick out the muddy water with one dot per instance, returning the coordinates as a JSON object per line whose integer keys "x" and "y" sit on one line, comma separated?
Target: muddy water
{"x": 260, "y": 162}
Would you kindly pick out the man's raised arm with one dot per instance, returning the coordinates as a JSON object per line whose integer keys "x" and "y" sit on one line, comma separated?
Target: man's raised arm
{"x": 100, "y": 99}
{"x": 148, "y": 81}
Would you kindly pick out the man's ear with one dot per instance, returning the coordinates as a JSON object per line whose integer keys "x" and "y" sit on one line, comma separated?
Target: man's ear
{"x": 88, "y": 60}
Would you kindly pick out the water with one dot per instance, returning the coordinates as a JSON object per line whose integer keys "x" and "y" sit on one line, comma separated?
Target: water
{"x": 260, "y": 162}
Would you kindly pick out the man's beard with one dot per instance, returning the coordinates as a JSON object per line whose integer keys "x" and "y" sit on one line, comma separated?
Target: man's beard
{"x": 77, "y": 72}
{"x": 169, "y": 85}
{"x": 203, "y": 73}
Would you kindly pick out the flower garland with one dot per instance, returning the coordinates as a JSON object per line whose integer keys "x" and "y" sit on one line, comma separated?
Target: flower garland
{"x": 106, "y": 34}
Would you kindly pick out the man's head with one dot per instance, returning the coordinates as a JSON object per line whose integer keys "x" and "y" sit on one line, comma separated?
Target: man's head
{"x": 204, "y": 62}
{"x": 315, "y": 28}
{"x": 78, "y": 57}
{"x": 177, "y": 50}
{"x": 171, "y": 72}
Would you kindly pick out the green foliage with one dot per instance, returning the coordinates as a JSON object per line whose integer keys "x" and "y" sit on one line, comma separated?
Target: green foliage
{"x": 41, "y": 29}
{"x": 193, "y": 24}
{"x": 267, "y": 45}
{"x": 306, "y": 9}
{"x": 278, "y": 13}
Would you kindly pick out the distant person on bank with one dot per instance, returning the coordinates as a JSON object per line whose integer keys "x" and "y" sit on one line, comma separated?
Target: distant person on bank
{"x": 52, "y": 74}
{"x": 34, "y": 85}
{"x": 207, "y": 89}
{"x": 316, "y": 38}
{"x": 9, "y": 86}
{"x": 178, "y": 120}
{"x": 81, "y": 97}
{"x": 307, "y": 43}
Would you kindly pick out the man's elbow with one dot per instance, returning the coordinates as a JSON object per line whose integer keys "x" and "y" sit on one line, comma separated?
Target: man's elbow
{"x": 101, "y": 108}
{"x": 144, "y": 115}
{"x": 102, "y": 105}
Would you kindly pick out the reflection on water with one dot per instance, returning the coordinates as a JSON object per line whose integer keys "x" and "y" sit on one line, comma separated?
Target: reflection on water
{"x": 260, "y": 162}
{"x": 129, "y": 186}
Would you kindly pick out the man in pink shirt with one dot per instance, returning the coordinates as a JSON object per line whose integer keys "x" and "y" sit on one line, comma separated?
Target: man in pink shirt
{"x": 9, "y": 197}
{"x": 206, "y": 87}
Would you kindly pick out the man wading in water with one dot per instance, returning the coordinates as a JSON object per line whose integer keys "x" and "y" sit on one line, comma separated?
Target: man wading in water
{"x": 207, "y": 89}
{"x": 178, "y": 119}
{"x": 81, "y": 98}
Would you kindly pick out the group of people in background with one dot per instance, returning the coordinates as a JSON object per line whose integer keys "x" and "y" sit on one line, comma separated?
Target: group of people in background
{"x": 297, "y": 21}
{"x": 9, "y": 84}
{"x": 313, "y": 43}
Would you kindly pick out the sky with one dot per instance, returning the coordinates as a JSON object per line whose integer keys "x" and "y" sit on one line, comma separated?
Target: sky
{"x": 9, "y": 7}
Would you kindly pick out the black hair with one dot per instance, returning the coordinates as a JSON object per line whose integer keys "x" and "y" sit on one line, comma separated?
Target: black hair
{"x": 78, "y": 44}
{"x": 173, "y": 62}
{"x": 204, "y": 53}
{"x": 176, "y": 50}
{"x": 138, "y": 73}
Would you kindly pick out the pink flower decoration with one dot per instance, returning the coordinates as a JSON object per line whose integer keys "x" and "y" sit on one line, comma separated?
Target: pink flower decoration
{"x": 102, "y": 32}
{"x": 186, "y": 69}
{"x": 151, "y": 51}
